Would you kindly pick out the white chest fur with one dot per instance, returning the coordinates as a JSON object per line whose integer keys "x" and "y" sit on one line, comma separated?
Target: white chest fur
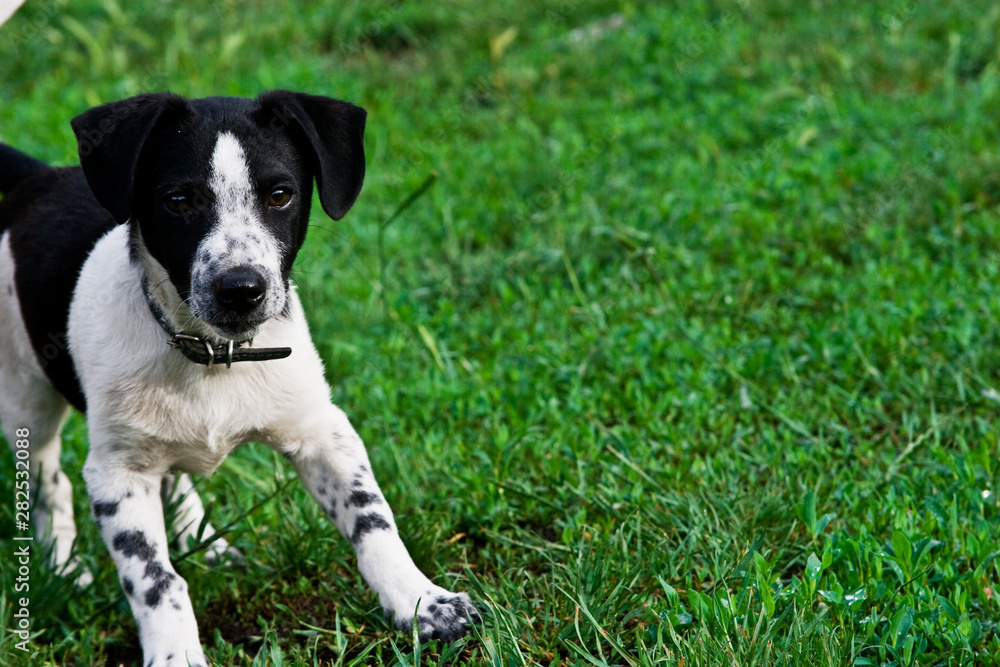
{"x": 154, "y": 408}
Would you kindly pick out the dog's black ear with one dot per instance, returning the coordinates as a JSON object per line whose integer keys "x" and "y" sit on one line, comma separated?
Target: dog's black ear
{"x": 335, "y": 129}
{"x": 110, "y": 139}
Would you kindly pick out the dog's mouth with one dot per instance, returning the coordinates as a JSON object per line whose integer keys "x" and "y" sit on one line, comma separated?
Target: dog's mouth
{"x": 234, "y": 328}
{"x": 208, "y": 320}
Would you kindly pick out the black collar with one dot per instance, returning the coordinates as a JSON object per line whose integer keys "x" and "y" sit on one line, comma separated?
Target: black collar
{"x": 202, "y": 351}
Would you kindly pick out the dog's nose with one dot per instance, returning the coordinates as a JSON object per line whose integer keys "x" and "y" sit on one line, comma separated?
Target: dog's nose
{"x": 240, "y": 290}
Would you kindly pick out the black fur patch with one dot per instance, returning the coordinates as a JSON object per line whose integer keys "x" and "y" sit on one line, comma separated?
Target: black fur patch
{"x": 161, "y": 582}
{"x": 367, "y": 523}
{"x": 16, "y": 167}
{"x": 133, "y": 543}
{"x": 56, "y": 222}
{"x": 362, "y": 499}
{"x": 128, "y": 586}
{"x": 105, "y": 509}
{"x": 155, "y": 571}
{"x": 155, "y": 593}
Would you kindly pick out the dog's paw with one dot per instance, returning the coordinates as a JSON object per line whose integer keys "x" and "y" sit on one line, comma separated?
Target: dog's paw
{"x": 221, "y": 552}
{"x": 441, "y": 615}
{"x": 80, "y": 574}
{"x": 84, "y": 578}
{"x": 175, "y": 658}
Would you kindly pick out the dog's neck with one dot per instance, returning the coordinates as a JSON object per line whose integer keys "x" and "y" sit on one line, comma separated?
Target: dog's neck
{"x": 164, "y": 299}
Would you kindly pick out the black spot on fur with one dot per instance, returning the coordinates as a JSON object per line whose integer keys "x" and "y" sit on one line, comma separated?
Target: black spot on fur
{"x": 362, "y": 499}
{"x": 150, "y": 663}
{"x": 321, "y": 490}
{"x": 55, "y": 477}
{"x": 161, "y": 582}
{"x": 128, "y": 586}
{"x": 105, "y": 509}
{"x": 156, "y": 591}
{"x": 170, "y": 656}
{"x": 367, "y": 523}
{"x": 154, "y": 571}
{"x": 357, "y": 483}
{"x": 133, "y": 543}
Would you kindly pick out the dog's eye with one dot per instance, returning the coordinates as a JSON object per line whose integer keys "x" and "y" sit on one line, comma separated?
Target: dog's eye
{"x": 279, "y": 198}
{"x": 175, "y": 202}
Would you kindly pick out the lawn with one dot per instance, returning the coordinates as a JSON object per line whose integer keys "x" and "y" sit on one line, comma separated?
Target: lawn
{"x": 689, "y": 355}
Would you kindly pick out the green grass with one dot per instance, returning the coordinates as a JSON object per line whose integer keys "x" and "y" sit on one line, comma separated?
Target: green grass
{"x": 689, "y": 357}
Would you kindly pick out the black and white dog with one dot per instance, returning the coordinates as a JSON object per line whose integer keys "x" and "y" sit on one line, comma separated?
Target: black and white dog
{"x": 150, "y": 289}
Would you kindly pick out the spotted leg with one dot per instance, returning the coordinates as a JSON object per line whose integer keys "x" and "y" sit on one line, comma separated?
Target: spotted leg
{"x": 129, "y": 513}
{"x": 334, "y": 468}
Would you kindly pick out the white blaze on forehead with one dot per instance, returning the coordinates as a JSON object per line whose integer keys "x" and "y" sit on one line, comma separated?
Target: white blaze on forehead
{"x": 230, "y": 180}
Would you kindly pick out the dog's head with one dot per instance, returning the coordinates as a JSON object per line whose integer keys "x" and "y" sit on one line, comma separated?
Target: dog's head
{"x": 217, "y": 191}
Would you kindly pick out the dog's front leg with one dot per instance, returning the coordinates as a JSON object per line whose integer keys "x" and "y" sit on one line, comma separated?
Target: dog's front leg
{"x": 129, "y": 512}
{"x": 334, "y": 468}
